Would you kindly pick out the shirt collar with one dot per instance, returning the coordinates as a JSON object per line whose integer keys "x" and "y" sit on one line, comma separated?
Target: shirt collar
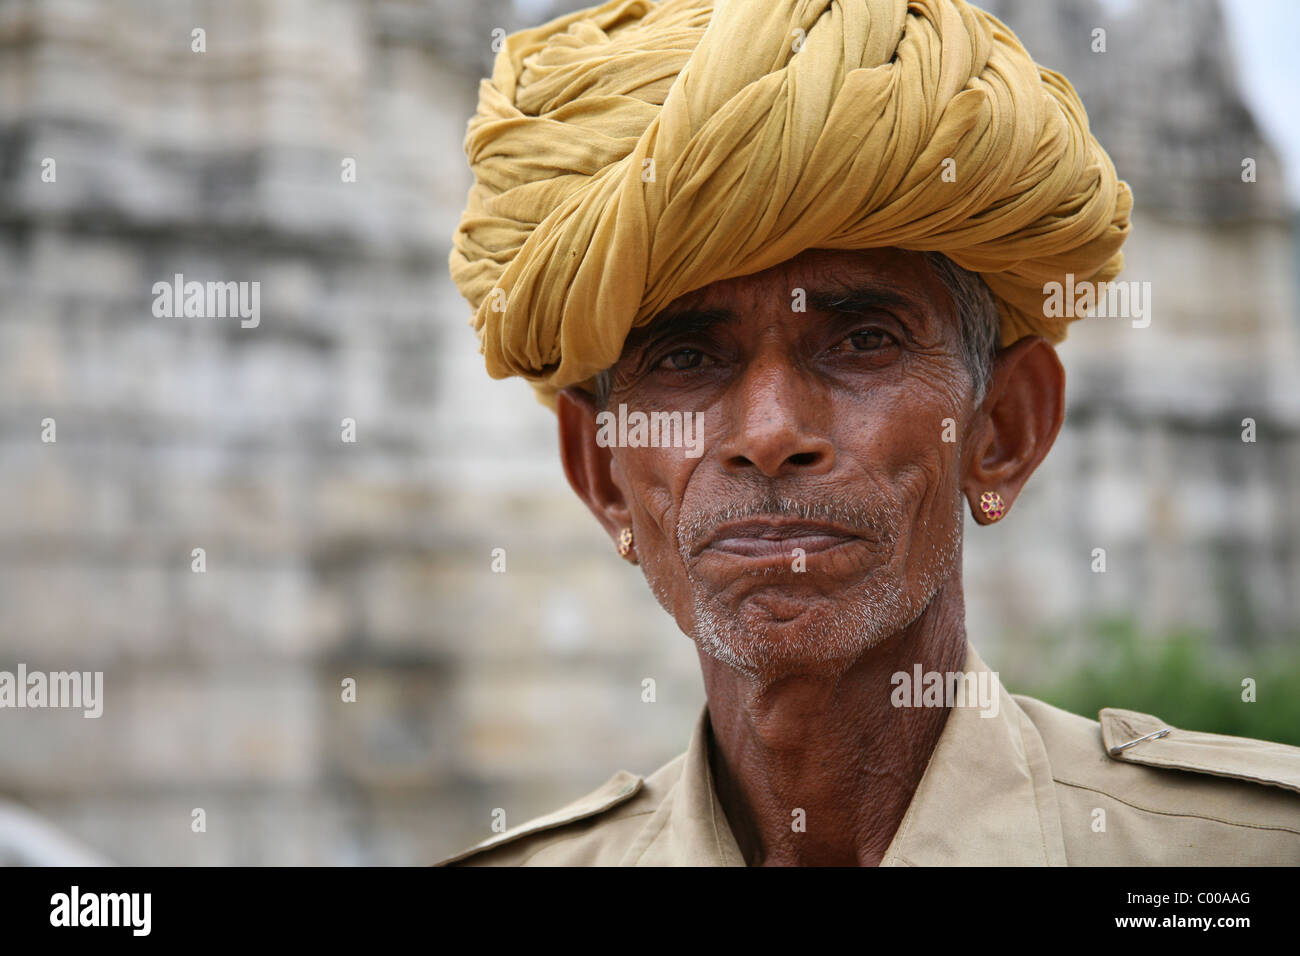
{"x": 987, "y": 796}
{"x": 689, "y": 828}
{"x": 986, "y": 799}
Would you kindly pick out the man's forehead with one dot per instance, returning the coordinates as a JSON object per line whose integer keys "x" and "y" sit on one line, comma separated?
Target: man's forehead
{"x": 894, "y": 269}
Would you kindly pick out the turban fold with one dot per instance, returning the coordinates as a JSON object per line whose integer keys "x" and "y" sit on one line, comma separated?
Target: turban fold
{"x": 629, "y": 153}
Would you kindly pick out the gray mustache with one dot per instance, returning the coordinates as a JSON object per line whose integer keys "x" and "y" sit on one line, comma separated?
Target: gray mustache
{"x": 875, "y": 523}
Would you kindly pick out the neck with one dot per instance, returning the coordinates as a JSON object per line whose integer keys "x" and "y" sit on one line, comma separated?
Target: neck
{"x": 830, "y": 745}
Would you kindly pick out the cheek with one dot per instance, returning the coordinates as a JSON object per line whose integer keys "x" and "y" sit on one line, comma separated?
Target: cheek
{"x": 912, "y": 445}
{"x": 933, "y": 478}
{"x": 917, "y": 427}
{"x": 653, "y": 481}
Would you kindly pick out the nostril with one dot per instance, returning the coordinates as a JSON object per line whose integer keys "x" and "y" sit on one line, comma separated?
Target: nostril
{"x": 804, "y": 458}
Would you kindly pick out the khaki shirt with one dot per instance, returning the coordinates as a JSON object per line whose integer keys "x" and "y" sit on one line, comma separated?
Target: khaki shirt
{"x": 1030, "y": 786}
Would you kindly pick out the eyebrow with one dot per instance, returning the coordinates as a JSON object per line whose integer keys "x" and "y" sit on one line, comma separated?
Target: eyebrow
{"x": 860, "y": 299}
{"x": 670, "y": 323}
{"x": 847, "y": 300}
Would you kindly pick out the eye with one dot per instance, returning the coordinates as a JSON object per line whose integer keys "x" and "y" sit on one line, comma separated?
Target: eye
{"x": 868, "y": 340}
{"x": 681, "y": 360}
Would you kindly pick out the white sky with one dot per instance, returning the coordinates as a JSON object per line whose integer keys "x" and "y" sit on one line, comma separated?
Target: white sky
{"x": 1265, "y": 34}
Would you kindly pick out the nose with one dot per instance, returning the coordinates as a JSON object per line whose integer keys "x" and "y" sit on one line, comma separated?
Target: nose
{"x": 776, "y": 424}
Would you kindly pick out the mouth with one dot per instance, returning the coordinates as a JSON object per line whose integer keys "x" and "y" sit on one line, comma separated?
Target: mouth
{"x": 774, "y": 538}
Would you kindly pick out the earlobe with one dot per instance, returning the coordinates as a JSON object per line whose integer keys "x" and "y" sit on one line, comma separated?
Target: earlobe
{"x": 587, "y": 464}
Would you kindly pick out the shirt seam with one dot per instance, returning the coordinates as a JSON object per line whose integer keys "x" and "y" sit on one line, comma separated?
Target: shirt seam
{"x": 1175, "y": 813}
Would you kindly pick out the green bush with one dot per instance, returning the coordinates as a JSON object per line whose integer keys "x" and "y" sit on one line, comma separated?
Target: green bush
{"x": 1179, "y": 678}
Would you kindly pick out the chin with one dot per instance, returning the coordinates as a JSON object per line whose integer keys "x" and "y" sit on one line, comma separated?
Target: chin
{"x": 772, "y": 633}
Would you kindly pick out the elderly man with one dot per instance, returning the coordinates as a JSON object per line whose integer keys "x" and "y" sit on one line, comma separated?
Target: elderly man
{"x": 820, "y": 232}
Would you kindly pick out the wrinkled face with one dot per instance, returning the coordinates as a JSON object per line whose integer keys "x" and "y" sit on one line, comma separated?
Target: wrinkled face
{"x": 821, "y": 509}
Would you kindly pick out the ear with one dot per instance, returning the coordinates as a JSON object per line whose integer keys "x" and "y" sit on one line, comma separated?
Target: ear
{"x": 1018, "y": 422}
{"x": 588, "y": 465}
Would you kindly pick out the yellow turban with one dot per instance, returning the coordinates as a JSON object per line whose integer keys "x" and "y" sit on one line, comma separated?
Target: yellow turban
{"x": 632, "y": 152}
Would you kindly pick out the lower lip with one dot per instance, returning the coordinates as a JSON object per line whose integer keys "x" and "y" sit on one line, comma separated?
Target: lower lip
{"x": 776, "y": 547}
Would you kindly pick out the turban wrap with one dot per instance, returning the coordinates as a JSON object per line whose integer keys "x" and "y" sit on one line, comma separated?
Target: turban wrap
{"x": 629, "y": 153}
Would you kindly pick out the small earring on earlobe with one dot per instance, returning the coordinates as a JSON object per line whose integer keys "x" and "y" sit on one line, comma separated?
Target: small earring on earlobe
{"x": 992, "y": 505}
{"x": 625, "y": 541}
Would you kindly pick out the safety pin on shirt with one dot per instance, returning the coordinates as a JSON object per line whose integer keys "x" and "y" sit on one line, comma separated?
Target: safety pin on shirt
{"x": 1151, "y": 736}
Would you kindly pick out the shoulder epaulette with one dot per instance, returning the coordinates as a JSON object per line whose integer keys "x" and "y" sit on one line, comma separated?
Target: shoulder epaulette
{"x": 1133, "y": 737}
{"x": 621, "y": 787}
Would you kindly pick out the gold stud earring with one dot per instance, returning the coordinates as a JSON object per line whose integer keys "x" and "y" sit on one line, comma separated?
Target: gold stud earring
{"x": 625, "y": 541}
{"x": 992, "y": 505}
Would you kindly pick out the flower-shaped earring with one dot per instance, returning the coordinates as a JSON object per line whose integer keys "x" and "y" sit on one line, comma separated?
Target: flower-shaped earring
{"x": 992, "y": 505}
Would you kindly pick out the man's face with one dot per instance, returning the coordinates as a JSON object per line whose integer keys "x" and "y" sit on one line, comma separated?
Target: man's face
{"x": 825, "y": 509}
